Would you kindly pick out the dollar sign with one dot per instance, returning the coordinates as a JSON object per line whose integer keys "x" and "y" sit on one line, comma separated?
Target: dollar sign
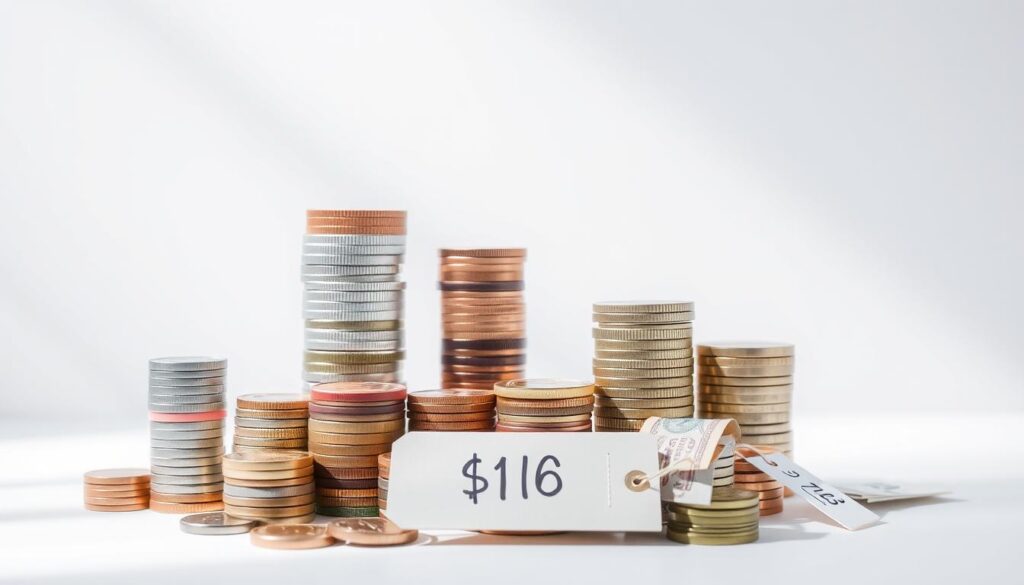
{"x": 469, "y": 471}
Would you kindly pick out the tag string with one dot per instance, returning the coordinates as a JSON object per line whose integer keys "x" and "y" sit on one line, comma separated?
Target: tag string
{"x": 650, "y": 477}
{"x": 755, "y": 450}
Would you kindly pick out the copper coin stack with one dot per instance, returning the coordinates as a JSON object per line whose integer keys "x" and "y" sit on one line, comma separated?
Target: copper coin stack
{"x": 117, "y": 490}
{"x": 451, "y": 410}
{"x": 271, "y": 421}
{"x": 544, "y": 405}
{"x": 383, "y": 476}
{"x": 751, "y": 382}
{"x": 643, "y": 362}
{"x": 350, "y": 425}
{"x": 272, "y": 486}
{"x": 483, "y": 316}
{"x": 353, "y": 298}
{"x": 751, "y": 478}
{"x": 186, "y": 412}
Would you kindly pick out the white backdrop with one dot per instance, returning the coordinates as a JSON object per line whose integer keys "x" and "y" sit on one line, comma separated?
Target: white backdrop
{"x": 843, "y": 175}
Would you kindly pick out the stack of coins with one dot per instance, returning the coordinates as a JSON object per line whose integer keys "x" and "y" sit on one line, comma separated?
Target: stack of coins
{"x": 117, "y": 490}
{"x": 271, "y": 421}
{"x": 350, "y": 425}
{"x": 352, "y": 303}
{"x": 725, "y": 464}
{"x": 643, "y": 362}
{"x": 751, "y": 382}
{"x": 186, "y": 413}
{"x": 451, "y": 410}
{"x": 483, "y": 316}
{"x": 544, "y": 405}
{"x": 275, "y": 487}
{"x": 730, "y": 518}
{"x": 751, "y": 478}
{"x": 383, "y": 475}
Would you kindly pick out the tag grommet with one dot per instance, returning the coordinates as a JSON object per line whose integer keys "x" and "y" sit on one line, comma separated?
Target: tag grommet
{"x": 637, "y": 481}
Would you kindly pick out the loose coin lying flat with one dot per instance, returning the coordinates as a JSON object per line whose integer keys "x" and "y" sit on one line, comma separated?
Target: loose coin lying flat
{"x": 370, "y": 532}
{"x": 216, "y": 523}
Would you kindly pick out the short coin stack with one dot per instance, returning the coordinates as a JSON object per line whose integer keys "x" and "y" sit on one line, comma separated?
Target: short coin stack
{"x": 731, "y": 518}
{"x": 751, "y": 478}
{"x": 541, "y": 404}
{"x": 483, "y": 316}
{"x": 117, "y": 490}
{"x": 186, "y": 413}
{"x": 350, "y": 425}
{"x": 274, "y": 487}
{"x": 643, "y": 362}
{"x": 751, "y": 382}
{"x": 271, "y": 421}
{"x": 352, "y": 304}
{"x": 451, "y": 410}
{"x": 725, "y": 464}
{"x": 383, "y": 476}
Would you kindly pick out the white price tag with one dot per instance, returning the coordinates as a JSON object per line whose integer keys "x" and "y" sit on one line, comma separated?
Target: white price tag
{"x": 523, "y": 481}
{"x": 829, "y": 500}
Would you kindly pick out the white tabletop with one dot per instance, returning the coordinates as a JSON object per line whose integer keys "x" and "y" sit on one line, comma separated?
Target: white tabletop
{"x": 974, "y": 533}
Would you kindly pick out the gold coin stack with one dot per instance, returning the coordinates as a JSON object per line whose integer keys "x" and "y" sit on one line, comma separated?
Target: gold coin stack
{"x": 544, "y": 405}
{"x": 731, "y": 518}
{"x": 271, "y": 421}
{"x": 272, "y": 486}
{"x": 751, "y": 382}
{"x": 352, "y": 303}
{"x": 117, "y": 490}
{"x": 383, "y": 475}
{"x": 643, "y": 362}
{"x": 751, "y": 478}
{"x": 483, "y": 316}
{"x": 451, "y": 410}
{"x": 350, "y": 425}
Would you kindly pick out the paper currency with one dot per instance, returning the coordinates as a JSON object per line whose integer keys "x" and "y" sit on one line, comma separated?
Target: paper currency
{"x": 687, "y": 447}
{"x": 879, "y": 491}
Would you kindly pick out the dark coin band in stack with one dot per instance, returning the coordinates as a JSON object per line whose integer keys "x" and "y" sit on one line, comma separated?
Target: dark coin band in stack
{"x": 643, "y": 362}
{"x": 540, "y": 404}
{"x": 483, "y": 316}
{"x": 271, "y": 421}
{"x": 451, "y": 410}
{"x": 186, "y": 413}
{"x": 353, "y": 298}
{"x": 272, "y": 486}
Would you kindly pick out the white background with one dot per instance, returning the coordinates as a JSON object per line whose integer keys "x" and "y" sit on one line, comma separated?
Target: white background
{"x": 846, "y": 176}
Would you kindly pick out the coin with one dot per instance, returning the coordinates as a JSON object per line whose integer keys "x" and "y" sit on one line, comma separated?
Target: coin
{"x": 646, "y": 383}
{"x": 723, "y": 499}
{"x": 743, "y": 382}
{"x": 452, "y": 426}
{"x": 746, "y": 362}
{"x": 542, "y": 388}
{"x": 706, "y": 539}
{"x": 643, "y": 307}
{"x": 292, "y": 433}
{"x": 618, "y": 424}
{"x": 215, "y": 523}
{"x": 746, "y": 371}
{"x": 239, "y": 491}
{"x": 293, "y": 536}
{"x": 358, "y": 391}
{"x": 177, "y": 508}
{"x": 270, "y": 502}
{"x": 641, "y": 334}
{"x": 642, "y": 413}
{"x": 187, "y": 363}
{"x": 248, "y": 413}
{"x": 642, "y": 318}
{"x": 272, "y": 401}
{"x": 268, "y": 460}
{"x": 119, "y": 508}
{"x": 483, "y": 252}
{"x": 118, "y": 476}
{"x": 684, "y": 392}
{"x": 642, "y": 373}
{"x": 746, "y": 349}
{"x": 349, "y": 512}
{"x": 370, "y": 532}
{"x": 744, "y": 408}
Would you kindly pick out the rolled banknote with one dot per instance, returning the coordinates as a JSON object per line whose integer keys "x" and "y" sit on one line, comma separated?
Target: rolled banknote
{"x": 686, "y": 449}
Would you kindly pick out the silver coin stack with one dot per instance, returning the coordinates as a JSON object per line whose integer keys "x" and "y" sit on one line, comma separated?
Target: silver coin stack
{"x": 725, "y": 464}
{"x": 187, "y": 410}
{"x": 353, "y": 306}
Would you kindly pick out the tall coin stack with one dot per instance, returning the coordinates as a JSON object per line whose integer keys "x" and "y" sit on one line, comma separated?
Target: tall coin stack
{"x": 274, "y": 487}
{"x": 383, "y": 477}
{"x": 186, "y": 413}
{"x": 643, "y": 362}
{"x": 483, "y": 316}
{"x": 751, "y": 382}
{"x": 731, "y": 518}
{"x": 271, "y": 421}
{"x": 352, "y": 303}
{"x": 749, "y": 477}
{"x": 350, "y": 425}
{"x": 451, "y": 410}
{"x": 545, "y": 405}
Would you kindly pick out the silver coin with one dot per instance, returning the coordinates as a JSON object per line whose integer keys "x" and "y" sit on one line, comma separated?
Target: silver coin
{"x": 186, "y": 408}
{"x": 382, "y": 483}
{"x": 353, "y": 307}
{"x": 355, "y": 278}
{"x": 352, "y": 316}
{"x": 351, "y": 259}
{"x": 354, "y": 239}
{"x": 186, "y": 443}
{"x": 186, "y": 479}
{"x": 312, "y": 379}
{"x": 166, "y": 488}
{"x": 237, "y": 491}
{"x": 725, "y": 481}
{"x": 357, "y": 346}
{"x": 353, "y": 287}
{"x": 216, "y": 523}
{"x": 188, "y": 375}
{"x": 180, "y": 399}
{"x": 340, "y": 335}
{"x": 186, "y": 382}
{"x": 188, "y": 364}
{"x": 185, "y": 435}
{"x": 334, "y": 296}
{"x": 184, "y": 461}
{"x": 203, "y": 425}
{"x": 190, "y": 471}
{"x": 167, "y": 453}
{"x": 270, "y": 423}
{"x": 186, "y": 390}
{"x": 354, "y": 370}
{"x": 308, "y": 270}
{"x": 335, "y": 250}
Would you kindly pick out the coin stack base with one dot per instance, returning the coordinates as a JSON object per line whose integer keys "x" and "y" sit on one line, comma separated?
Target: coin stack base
{"x": 451, "y": 410}
{"x": 383, "y": 477}
{"x": 271, "y": 421}
{"x": 544, "y": 405}
{"x": 643, "y": 364}
{"x": 271, "y": 486}
{"x": 731, "y": 518}
{"x": 117, "y": 490}
{"x": 749, "y": 477}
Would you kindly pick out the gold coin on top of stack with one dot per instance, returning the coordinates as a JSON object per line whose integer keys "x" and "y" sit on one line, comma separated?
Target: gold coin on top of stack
{"x": 271, "y": 421}
{"x": 643, "y": 362}
{"x": 483, "y": 316}
{"x": 752, "y": 383}
{"x": 749, "y": 477}
{"x": 273, "y": 486}
{"x": 383, "y": 477}
{"x": 116, "y": 490}
{"x": 350, "y": 425}
{"x": 451, "y": 410}
{"x": 544, "y": 405}
{"x": 731, "y": 518}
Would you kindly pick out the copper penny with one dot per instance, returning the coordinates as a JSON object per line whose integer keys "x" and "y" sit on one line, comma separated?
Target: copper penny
{"x": 345, "y": 473}
{"x": 373, "y": 449}
{"x": 514, "y": 429}
{"x": 186, "y": 498}
{"x": 452, "y": 426}
{"x": 118, "y": 476}
{"x": 458, "y": 417}
{"x": 346, "y": 493}
{"x": 125, "y": 508}
{"x": 291, "y": 536}
{"x": 177, "y": 508}
{"x": 329, "y": 502}
{"x": 370, "y": 532}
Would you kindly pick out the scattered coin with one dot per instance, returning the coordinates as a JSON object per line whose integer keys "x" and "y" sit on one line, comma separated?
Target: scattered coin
{"x": 216, "y": 523}
{"x": 370, "y": 532}
{"x": 291, "y": 536}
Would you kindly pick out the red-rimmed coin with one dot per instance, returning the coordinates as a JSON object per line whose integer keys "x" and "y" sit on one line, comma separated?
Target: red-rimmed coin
{"x": 187, "y": 416}
{"x": 357, "y": 392}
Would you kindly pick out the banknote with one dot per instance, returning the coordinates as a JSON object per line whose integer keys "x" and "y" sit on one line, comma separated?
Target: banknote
{"x": 881, "y": 491}
{"x": 686, "y": 449}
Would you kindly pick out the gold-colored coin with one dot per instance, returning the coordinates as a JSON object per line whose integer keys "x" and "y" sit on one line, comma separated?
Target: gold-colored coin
{"x": 634, "y": 373}
{"x": 345, "y": 461}
{"x": 542, "y": 389}
{"x": 712, "y": 539}
{"x": 329, "y": 368}
{"x": 708, "y": 380}
{"x": 526, "y": 411}
{"x": 317, "y": 437}
{"x": 357, "y": 213}
{"x": 634, "y": 403}
{"x": 430, "y": 397}
{"x": 253, "y": 513}
{"x": 642, "y": 333}
{"x": 644, "y": 355}
{"x": 267, "y": 461}
{"x": 291, "y": 413}
{"x": 370, "y": 532}
{"x": 607, "y": 382}
{"x": 748, "y": 418}
{"x": 352, "y": 357}
{"x": 644, "y": 393}
{"x": 543, "y": 419}
{"x": 727, "y": 498}
{"x": 296, "y": 536}
{"x": 457, "y": 417}
{"x": 642, "y": 413}
{"x": 643, "y": 307}
{"x": 272, "y": 401}
{"x": 121, "y": 501}
{"x": 331, "y": 426}
{"x": 623, "y": 424}
{"x": 233, "y": 475}
{"x": 354, "y": 325}
{"x": 745, "y": 399}
{"x": 682, "y": 344}
{"x": 683, "y": 513}
{"x": 374, "y": 449}
{"x": 744, "y": 408}
{"x": 746, "y": 371}
{"x": 744, "y": 349}
{"x": 303, "y": 500}
{"x": 361, "y": 418}
{"x": 121, "y": 508}
{"x": 641, "y": 318}
{"x": 615, "y": 364}
{"x": 254, "y": 433}
{"x": 712, "y": 526}
{"x": 271, "y": 443}
{"x": 746, "y": 390}
{"x": 259, "y": 482}
{"x": 347, "y": 493}
{"x": 710, "y": 360}
{"x": 545, "y": 404}
{"x": 767, "y": 429}
{"x": 175, "y": 508}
